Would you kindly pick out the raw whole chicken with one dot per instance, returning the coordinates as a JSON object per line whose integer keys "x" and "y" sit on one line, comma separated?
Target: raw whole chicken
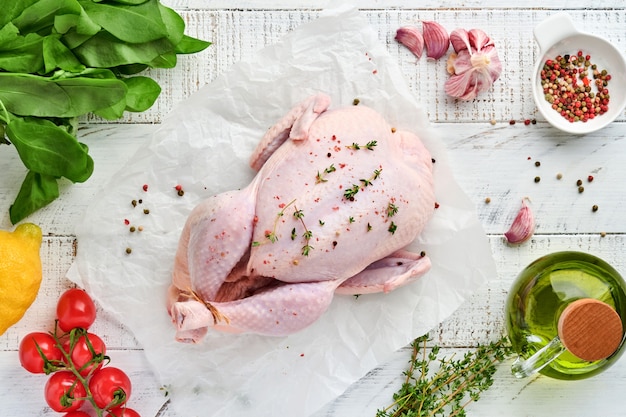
{"x": 338, "y": 194}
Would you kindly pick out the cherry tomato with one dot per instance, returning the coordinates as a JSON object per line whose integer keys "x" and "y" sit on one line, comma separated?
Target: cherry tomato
{"x": 110, "y": 386}
{"x": 30, "y": 358}
{"x": 76, "y": 414}
{"x": 75, "y": 308}
{"x": 124, "y": 412}
{"x": 81, "y": 354}
{"x": 63, "y": 392}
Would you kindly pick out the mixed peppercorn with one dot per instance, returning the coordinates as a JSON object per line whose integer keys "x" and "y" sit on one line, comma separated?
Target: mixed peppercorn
{"x": 567, "y": 82}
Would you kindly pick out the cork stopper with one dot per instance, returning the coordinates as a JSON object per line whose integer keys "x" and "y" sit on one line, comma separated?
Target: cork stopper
{"x": 590, "y": 329}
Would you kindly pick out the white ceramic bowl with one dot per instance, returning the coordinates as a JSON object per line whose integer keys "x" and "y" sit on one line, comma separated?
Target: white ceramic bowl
{"x": 557, "y": 35}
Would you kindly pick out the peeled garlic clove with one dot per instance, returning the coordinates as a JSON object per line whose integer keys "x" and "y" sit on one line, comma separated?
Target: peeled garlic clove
{"x": 412, "y": 38}
{"x": 450, "y": 63}
{"x": 436, "y": 39}
{"x": 523, "y": 226}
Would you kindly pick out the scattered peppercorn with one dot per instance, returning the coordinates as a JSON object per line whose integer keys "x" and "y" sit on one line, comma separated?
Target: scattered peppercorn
{"x": 511, "y": 122}
{"x": 537, "y": 163}
{"x": 527, "y": 122}
{"x": 594, "y": 208}
{"x": 181, "y": 192}
{"x": 146, "y": 211}
{"x": 132, "y": 229}
{"x": 537, "y": 179}
{"x": 602, "y": 234}
{"x": 126, "y": 222}
{"x": 128, "y": 251}
{"x": 590, "y": 178}
{"x": 533, "y": 121}
{"x": 140, "y": 228}
{"x": 433, "y": 160}
{"x": 559, "y": 176}
{"x": 581, "y": 189}
{"x": 393, "y": 130}
{"x": 487, "y": 200}
{"x": 422, "y": 254}
{"x": 134, "y": 203}
{"x": 493, "y": 122}
{"x": 436, "y": 205}
{"x": 579, "y": 182}
{"x": 145, "y": 187}
{"x": 356, "y": 102}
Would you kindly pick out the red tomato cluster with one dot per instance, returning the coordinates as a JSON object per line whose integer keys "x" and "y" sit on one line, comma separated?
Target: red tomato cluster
{"x": 77, "y": 362}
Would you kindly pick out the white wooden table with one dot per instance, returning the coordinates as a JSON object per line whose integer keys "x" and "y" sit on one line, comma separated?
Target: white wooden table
{"x": 494, "y": 161}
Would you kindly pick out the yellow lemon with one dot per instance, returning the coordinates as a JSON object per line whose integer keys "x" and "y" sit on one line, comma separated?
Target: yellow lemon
{"x": 20, "y": 272}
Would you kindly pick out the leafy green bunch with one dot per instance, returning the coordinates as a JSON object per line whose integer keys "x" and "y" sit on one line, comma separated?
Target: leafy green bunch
{"x": 436, "y": 386}
{"x": 62, "y": 59}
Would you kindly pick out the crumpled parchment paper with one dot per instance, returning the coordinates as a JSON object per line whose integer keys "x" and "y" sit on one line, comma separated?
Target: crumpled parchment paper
{"x": 204, "y": 145}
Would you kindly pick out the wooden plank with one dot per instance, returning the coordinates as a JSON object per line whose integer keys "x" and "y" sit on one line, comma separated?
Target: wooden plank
{"x": 488, "y": 161}
{"x": 478, "y": 320}
{"x": 239, "y": 34}
{"x": 475, "y": 152}
{"x": 260, "y": 5}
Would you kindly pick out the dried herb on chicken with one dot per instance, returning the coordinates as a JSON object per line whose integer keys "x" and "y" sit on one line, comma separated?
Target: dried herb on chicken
{"x": 437, "y": 386}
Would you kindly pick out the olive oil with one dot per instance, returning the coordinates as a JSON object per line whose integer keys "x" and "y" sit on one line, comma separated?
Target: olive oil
{"x": 540, "y": 294}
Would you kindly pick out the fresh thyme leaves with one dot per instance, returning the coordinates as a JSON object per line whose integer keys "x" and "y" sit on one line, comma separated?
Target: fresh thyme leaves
{"x": 307, "y": 235}
{"x": 392, "y": 210}
{"x": 365, "y": 182}
{"x": 437, "y": 386}
{"x": 351, "y": 192}
{"x": 392, "y": 228}
{"x": 369, "y": 146}
{"x": 319, "y": 178}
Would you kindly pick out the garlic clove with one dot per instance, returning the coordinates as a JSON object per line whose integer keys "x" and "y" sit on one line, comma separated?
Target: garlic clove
{"x": 459, "y": 38}
{"x": 523, "y": 226}
{"x": 479, "y": 39}
{"x": 412, "y": 38}
{"x": 436, "y": 39}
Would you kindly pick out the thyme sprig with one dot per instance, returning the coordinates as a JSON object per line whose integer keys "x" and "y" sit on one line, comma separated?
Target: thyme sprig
{"x": 307, "y": 235}
{"x": 369, "y": 146}
{"x": 452, "y": 384}
{"x": 320, "y": 178}
{"x": 270, "y": 235}
{"x": 365, "y": 182}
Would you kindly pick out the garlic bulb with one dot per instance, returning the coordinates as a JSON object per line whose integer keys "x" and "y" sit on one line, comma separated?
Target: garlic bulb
{"x": 436, "y": 39}
{"x": 412, "y": 38}
{"x": 523, "y": 226}
{"x": 474, "y": 66}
